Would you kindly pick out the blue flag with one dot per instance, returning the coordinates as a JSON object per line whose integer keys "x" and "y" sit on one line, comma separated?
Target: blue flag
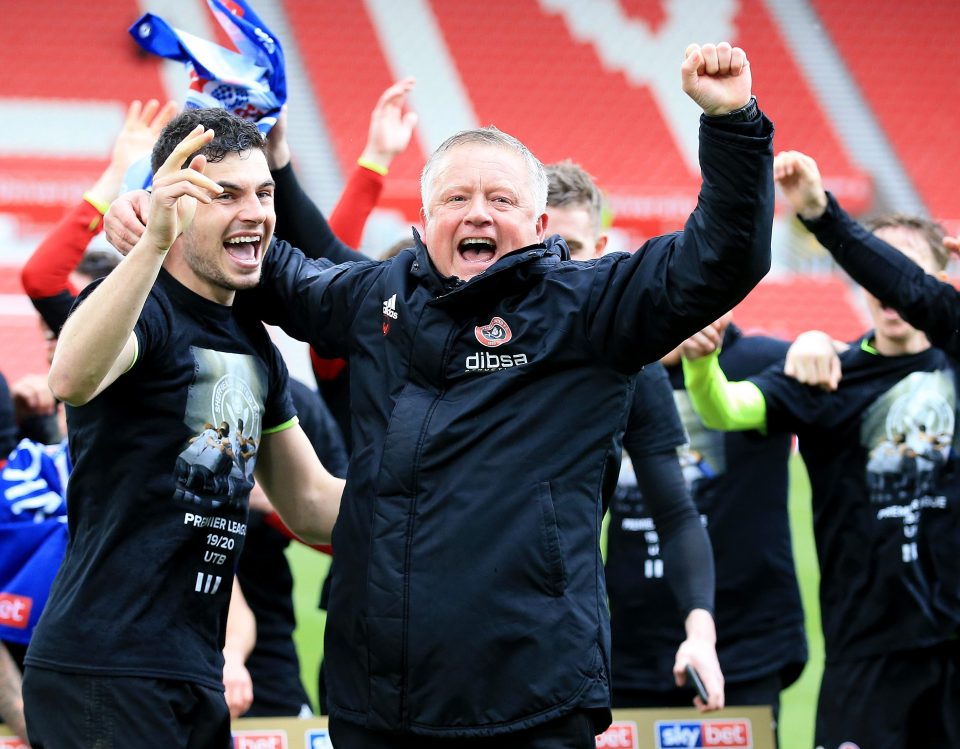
{"x": 33, "y": 533}
{"x": 251, "y": 84}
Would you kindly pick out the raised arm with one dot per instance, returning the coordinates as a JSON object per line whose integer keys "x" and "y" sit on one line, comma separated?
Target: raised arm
{"x": 391, "y": 127}
{"x": 97, "y": 343}
{"x": 686, "y": 280}
{"x": 924, "y": 301}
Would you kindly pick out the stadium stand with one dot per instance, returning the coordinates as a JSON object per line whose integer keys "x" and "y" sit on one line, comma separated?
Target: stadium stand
{"x": 68, "y": 57}
{"x": 530, "y": 72}
{"x": 925, "y": 141}
{"x": 785, "y": 307}
{"x": 348, "y": 72}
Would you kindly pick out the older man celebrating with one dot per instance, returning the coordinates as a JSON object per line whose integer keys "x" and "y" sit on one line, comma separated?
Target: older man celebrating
{"x": 490, "y": 379}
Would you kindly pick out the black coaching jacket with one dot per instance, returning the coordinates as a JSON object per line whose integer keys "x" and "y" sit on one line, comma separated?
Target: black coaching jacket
{"x": 468, "y": 592}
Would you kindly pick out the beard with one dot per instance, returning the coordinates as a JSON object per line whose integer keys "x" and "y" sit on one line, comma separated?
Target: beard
{"x": 208, "y": 267}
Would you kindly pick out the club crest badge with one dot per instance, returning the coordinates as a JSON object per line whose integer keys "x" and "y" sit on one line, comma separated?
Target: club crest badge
{"x": 493, "y": 334}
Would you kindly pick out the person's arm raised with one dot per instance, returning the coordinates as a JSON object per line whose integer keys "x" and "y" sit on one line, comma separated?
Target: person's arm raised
{"x": 925, "y": 301}
{"x": 97, "y": 343}
{"x": 687, "y": 279}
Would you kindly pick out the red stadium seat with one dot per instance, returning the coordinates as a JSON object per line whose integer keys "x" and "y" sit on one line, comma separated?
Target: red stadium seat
{"x": 893, "y": 51}
{"x": 786, "y": 307}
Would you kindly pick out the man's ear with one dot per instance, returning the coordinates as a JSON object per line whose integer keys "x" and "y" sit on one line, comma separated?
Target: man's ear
{"x": 423, "y": 218}
{"x": 542, "y": 226}
{"x": 601, "y": 245}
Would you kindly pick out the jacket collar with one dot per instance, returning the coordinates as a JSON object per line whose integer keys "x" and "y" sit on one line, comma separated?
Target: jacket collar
{"x": 516, "y": 265}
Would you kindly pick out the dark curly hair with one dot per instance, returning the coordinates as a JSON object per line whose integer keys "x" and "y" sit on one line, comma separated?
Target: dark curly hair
{"x": 232, "y": 135}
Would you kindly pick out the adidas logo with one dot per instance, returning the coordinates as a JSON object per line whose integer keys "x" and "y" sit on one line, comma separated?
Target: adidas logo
{"x": 390, "y": 307}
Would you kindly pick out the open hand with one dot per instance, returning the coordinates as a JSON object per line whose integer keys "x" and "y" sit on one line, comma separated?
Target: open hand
{"x": 391, "y": 127}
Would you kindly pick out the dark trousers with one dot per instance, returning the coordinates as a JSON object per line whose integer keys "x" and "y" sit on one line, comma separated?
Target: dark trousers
{"x": 67, "y": 711}
{"x": 904, "y": 700}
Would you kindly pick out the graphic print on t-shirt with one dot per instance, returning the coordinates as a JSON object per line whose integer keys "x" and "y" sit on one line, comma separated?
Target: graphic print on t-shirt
{"x": 909, "y": 433}
{"x": 224, "y": 409}
{"x": 704, "y": 455}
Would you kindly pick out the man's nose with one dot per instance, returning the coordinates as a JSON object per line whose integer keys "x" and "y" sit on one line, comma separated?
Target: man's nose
{"x": 252, "y": 210}
{"x": 478, "y": 212}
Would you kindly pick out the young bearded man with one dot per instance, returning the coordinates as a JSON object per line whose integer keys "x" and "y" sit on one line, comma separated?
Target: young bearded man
{"x": 128, "y": 650}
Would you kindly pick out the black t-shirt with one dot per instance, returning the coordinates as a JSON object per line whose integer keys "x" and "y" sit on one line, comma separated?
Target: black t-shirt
{"x": 739, "y": 483}
{"x": 881, "y": 455}
{"x": 157, "y": 502}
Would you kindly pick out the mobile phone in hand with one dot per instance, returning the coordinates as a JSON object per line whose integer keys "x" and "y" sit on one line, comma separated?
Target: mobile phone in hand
{"x": 694, "y": 678}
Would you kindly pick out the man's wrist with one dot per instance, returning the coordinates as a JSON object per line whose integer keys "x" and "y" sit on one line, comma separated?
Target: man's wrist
{"x": 815, "y": 210}
{"x": 97, "y": 202}
{"x": 278, "y": 157}
{"x": 375, "y": 161}
{"x": 700, "y": 625}
{"x": 747, "y": 113}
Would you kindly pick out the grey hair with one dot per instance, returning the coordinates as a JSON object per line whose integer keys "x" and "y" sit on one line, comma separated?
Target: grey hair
{"x": 487, "y": 136}
{"x": 570, "y": 186}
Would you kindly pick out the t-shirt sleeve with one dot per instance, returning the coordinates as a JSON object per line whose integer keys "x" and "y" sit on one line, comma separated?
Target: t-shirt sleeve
{"x": 152, "y": 328}
{"x": 654, "y": 424}
{"x": 279, "y": 411}
{"x": 790, "y": 405}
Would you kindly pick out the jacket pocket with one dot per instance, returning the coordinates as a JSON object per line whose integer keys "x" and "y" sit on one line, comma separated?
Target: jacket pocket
{"x": 556, "y": 581}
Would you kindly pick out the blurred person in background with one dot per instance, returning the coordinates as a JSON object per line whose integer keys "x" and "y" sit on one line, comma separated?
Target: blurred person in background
{"x": 160, "y": 338}
{"x": 883, "y": 473}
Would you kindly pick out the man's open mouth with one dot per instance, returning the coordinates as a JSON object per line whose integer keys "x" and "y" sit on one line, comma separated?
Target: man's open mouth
{"x": 245, "y": 249}
{"x": 477, "y": 249}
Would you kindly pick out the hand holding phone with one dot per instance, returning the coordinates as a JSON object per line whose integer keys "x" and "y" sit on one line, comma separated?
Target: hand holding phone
{"x": 694, "y": 678}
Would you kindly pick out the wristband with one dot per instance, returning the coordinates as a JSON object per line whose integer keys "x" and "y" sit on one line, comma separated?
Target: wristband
{"x": 373, "y": 166}
{"x": 101, "y": 205}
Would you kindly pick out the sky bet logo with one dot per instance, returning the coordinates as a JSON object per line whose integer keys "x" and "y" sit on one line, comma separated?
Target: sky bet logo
{"x": 703, "y": 733}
